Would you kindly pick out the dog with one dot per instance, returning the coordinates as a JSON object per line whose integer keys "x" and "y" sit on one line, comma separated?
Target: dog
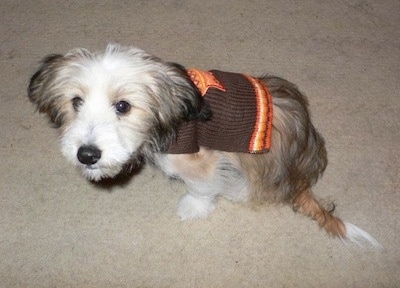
{"x": 117, "y": 108}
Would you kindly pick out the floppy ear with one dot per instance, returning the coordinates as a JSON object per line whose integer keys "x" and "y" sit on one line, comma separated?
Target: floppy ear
{"x": 192, "y": 105}
{"x": 39, "y": 91}
{"x": 41, "y": 77}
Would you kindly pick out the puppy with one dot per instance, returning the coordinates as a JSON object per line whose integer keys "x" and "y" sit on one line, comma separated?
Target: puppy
{"x": 222, "y": 134}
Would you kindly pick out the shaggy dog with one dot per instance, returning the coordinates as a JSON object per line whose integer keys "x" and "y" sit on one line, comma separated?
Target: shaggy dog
{"x": 117, "y": 108}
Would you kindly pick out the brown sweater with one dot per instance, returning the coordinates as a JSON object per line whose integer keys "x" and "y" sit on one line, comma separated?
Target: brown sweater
{"x": 241, "y": 120}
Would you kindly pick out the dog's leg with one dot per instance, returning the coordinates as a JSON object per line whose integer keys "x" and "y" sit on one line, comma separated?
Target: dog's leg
{"x": 207, "y": 175}
{"x": 192, "y": 206}
{"x": 197, "y": 171}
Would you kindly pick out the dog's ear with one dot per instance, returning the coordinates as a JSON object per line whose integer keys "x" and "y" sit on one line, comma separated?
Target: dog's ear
{"x": 39, "y": 91}
{"x": 192, "y": 105}
{"x": 41, "y": 78}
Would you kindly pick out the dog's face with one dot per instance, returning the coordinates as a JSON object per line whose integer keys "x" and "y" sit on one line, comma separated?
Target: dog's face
{"x": 112, "y": 107}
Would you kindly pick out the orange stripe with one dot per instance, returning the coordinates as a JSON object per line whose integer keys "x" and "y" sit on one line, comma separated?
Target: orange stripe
{"x": 261, "y": 137}
{"x": 269, "y": 116}
{"x": 204, "y": 80}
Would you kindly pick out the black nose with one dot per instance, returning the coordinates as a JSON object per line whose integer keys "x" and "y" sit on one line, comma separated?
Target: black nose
{"x": 89, "y": 155}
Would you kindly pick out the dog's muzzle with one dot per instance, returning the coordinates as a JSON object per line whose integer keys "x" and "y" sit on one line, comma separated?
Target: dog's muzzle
{"x": 89, "y": 155}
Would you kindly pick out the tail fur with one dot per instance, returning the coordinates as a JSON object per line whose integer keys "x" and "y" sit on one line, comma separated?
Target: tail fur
{"x": 306, "y": 204}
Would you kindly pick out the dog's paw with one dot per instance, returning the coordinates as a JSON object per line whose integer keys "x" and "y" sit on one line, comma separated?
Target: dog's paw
{"x": 191, "y": 207}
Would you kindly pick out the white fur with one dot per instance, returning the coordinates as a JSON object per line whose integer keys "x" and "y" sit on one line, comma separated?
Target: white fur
{"x": 192, "y": 207}
{"x": 97, "y": 124}
{"x": 355, "y": 234}
{"x": 157, "y": 92}
{"x": 204, "y": 187}
{"x": 98, "y": 82}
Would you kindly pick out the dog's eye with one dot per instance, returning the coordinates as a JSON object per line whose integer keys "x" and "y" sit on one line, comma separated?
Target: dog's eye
{"x": 122, "y": 107}
{"x": 77, "y": 102}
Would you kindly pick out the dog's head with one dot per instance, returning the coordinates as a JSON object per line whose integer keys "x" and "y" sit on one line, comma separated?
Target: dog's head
{"x": 112, "y": 107}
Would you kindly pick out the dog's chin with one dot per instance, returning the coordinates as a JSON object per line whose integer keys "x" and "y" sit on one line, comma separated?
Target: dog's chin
{"x": 96, "y": 174}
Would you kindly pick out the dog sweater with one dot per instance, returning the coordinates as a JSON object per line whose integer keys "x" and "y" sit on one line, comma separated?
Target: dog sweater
{"x": 241, "y": 121}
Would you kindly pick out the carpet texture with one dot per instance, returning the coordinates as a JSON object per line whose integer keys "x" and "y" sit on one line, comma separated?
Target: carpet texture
{"x": 59, "y": 230}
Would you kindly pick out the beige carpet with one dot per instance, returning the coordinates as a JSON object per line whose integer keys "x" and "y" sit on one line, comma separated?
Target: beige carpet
{"x": 58, "y": 230}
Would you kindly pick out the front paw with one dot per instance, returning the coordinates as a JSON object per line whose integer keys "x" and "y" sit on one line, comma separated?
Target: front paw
{"x": 191, "y": 207}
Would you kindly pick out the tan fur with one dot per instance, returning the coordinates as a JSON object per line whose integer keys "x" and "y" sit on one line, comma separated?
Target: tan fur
{"x": 198, "y": 166}
{"x": 161, "y": 97}
{"x": 306, "y": 204}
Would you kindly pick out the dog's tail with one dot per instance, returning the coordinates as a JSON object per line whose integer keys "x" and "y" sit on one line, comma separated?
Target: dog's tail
{"x": 306, "y": 204}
